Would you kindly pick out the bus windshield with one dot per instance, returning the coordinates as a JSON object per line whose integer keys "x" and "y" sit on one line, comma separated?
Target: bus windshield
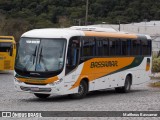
{"x": 5, "y": 46}
{"x": 40, "y": 55}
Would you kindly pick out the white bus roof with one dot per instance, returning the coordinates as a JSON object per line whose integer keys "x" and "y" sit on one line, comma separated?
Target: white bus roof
{"x": 53, "y": 33}
{"x": 76, "y": 31}
{"x": 64, "y": 32}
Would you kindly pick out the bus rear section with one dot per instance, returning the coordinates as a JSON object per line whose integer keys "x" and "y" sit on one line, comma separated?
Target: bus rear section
{"x": 7, "y": 52}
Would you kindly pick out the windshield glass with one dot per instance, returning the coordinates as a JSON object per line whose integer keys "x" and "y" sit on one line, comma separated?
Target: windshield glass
{"x": 5, "y": 46}
{"x": 40, "y": 55}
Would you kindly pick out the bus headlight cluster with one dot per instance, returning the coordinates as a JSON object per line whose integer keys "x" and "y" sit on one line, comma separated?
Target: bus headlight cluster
{"x": 17, "y": 80}
{"x": 56, "y": 82}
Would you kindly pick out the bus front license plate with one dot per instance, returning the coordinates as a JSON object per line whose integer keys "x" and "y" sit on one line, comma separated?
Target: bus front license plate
{"x": 34, "y": 89}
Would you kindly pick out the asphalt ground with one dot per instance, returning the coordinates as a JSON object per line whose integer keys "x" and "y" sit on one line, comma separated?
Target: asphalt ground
{"x": 141, "y": 98}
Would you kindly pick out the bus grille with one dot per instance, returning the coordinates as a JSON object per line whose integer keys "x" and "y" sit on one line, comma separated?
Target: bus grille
{"x": 36, "y": 84}
{"x": 35, "y": 90}
{"x": 7, "y": 64}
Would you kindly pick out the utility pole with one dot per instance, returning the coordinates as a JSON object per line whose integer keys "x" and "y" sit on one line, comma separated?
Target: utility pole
{"x": 86, "y": 18}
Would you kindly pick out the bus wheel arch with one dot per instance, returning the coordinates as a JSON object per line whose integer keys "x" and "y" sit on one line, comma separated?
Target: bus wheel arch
{"x": 131, "y": 77}
{"x": 87, "y": 82}
{"x": 82, "y": 89}
{"x": 127, "y": 85}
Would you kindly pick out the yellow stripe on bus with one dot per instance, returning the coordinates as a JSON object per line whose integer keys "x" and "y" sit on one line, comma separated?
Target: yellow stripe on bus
{"x": 38, "y": 81}
{"x": 111, "y": 35}
{"x": 92, "y": 72}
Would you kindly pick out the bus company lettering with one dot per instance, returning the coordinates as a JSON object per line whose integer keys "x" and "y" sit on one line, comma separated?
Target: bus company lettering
{"x": 104, "y": 64}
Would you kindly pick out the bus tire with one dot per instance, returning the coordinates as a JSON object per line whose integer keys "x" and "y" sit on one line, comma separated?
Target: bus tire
{"x": 42, "y": 96}
{"x": 127, "y": 86}
{"x": 82, "y": 91}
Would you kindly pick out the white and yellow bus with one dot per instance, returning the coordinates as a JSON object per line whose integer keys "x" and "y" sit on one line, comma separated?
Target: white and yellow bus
{"x": 7, "y": 52}
{"x": 76, "y": 61}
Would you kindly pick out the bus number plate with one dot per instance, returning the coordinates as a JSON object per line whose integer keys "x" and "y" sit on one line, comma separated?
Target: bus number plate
{"x": 34, "y": 89}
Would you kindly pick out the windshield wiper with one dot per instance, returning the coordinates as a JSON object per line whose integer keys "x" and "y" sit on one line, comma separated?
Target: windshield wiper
{"x": 34, "y": 54}
{"x": 40, "y": 55}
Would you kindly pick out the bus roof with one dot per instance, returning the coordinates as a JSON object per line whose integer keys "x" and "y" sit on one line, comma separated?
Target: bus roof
{"x": 69, "y": 32}
{"x": 53, "y": 33}
{"x": 7, "y": 39}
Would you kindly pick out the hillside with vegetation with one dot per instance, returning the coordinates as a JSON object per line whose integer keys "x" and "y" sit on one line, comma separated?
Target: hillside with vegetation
{"x": 18, "y": 16}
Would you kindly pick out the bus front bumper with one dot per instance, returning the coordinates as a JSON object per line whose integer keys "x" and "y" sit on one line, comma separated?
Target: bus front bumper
{"x": 44, "y": 89}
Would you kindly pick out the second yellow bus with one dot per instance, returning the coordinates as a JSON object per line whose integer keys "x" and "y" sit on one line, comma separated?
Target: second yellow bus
{"x": 7, "y": 52}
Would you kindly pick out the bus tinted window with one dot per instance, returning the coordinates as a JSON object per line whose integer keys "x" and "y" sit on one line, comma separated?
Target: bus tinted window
{"x": 126, "y": 46}
{"x": 106, "y": 47}
{"x": 5, "y": 46}
{"x": 88, "y": 46}
{"x": 102, "y": 46}
{"x": 149, "y": 47}
{"x": 146, "y": 49}
{"x": 115, "y": 47}
{"x": 136, "y": 47}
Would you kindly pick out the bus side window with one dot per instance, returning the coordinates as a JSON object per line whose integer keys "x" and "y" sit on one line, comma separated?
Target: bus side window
{"x": 88, "y": 47}
{"x": 149, "y": 47}
{"x": 72, "y": 54}
{"x": 102, "y": 46}
{"x": 136, "y": 45}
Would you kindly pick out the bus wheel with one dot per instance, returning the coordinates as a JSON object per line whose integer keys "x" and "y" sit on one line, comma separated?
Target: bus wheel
{"x": 42, "y": 96}
{"x": 127, "y": 86}
{"x": 82, "y": 91}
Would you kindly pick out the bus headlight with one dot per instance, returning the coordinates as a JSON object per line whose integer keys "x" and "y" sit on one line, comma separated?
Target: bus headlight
{"x": 56, "y": 82}
{"x": 17, "y": 80}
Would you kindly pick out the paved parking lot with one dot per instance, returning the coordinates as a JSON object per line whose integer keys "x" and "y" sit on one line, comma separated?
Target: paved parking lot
{"x": 141, "y": 98}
